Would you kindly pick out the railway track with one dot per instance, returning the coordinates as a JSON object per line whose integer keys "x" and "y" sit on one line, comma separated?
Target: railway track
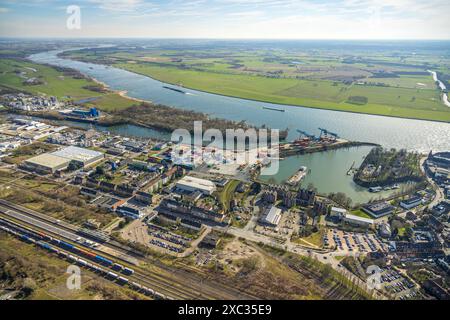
{"x": 151, "y": 282}
{"x": 192, "y": 286}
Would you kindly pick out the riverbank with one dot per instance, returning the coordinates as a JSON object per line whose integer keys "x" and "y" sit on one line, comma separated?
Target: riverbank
{"x": 369, "y": 109}
{"x": 326, "y": 147}
{"x": 391, "y": 132}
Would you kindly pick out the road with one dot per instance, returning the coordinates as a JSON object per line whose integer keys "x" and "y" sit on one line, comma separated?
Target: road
{"x": 439, "y": 195}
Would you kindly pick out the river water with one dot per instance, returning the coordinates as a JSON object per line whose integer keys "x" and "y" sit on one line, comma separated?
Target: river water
{"x": 328, "y": 169}
{"x": 390, "y": 132}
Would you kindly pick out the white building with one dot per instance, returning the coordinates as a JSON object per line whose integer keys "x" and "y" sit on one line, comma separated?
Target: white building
{"x": 411, "y": 203}
{"x": 272, "y": 216}
{"x": 192, "y": 184}
{"x": 337, "y": 212}
{"x": 358, "y": 221}
{"x": 82, "y": 155}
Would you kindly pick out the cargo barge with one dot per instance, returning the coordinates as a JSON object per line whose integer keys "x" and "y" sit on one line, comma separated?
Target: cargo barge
{"x": 298, "y": 176}
{"x": 174, "y": 89}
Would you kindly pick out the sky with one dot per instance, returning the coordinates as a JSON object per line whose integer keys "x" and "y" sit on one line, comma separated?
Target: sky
{"x": 229, "y": 19}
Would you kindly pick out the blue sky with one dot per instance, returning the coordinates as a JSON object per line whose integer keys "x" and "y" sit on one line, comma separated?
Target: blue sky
{"x": 274, "y": 19}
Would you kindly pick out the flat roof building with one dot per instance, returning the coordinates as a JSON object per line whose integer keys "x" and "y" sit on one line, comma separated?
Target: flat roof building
{"x": 193, "y": 184}
{"x": 47, "y": 163}
{"x": 82, "y": 155}
{"x": 359, "y": 221}
{"x": 272, "y": 216}
{"x": 411, "y": 202}
{"x": 379, "y": 209}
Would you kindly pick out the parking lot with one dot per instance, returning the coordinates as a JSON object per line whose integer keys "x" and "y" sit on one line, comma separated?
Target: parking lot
{"x": 352, "y": 242}
{"x": 397, "y": 285}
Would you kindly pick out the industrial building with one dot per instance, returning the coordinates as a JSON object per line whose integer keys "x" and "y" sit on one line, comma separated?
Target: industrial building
{"x": 271, "y": 216}
{"x": 81, "y": 155}
{"x": 378, "y": 209}
{"x": 50, "y": 163}
{"x": 358, "y": 221}
{"x": 46, "y": 163}
{"x": 191, "y": 184}
{"x": 338, "y": 212}
{"x": 410, "y": 203}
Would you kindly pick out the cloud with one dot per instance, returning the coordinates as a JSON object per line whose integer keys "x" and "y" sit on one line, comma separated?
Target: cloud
{"x": 4, "y": 10}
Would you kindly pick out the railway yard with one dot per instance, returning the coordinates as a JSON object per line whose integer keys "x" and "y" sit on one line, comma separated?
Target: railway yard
{"x": 153, "y": 285}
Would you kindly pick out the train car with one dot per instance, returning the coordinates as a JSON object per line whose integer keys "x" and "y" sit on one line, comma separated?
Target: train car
{"x": 66, "y": 245}
{"x": 117, "y": 267}
{"x": 25, "y": 238}
{"x": 103, "y": 261}
{"x": 122, "y": 280}
{"x": 159, "y": 296}
{"x": 136, "y": 286}
{"x": 63, "y": 254}
{"x": 72, "y": 258}
{"x": 82, "y": 262}
{"x": 148, "y": 291}
{"x": 112, "y": 275}
{"x": 88, "y": 254}
{"x": 128, "y": 271}
{"x": 95, "y": 268}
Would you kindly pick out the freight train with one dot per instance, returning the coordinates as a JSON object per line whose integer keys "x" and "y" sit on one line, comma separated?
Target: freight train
{"x": 31, "y": 236}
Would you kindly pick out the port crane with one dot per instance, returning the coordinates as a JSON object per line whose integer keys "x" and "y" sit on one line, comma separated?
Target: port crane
{"x": 326, "y": 133}
{"x": 306, "y": 134}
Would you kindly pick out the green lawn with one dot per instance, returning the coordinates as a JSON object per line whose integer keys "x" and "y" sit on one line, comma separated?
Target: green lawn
{"x": 391, "y": 101}
{"x": 226, "y": 194}
{"x": 57, "y": 84}
{"x": 360, "y": 213}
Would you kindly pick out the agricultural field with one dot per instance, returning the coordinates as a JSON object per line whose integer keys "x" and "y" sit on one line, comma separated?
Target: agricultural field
{"x": 383, "y": 82}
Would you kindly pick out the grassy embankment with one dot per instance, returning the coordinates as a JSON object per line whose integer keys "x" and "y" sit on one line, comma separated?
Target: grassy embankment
{"x": 390, "y": 101}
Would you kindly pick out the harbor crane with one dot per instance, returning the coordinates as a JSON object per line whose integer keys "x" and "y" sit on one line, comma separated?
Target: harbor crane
{"x": 306, "y": 134}
{"x": 326, "y": 133}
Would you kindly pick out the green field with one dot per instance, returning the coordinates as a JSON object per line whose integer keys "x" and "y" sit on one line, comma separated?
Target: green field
{"x": 391, "y": 101}
{"x": 13, "y": 74}
{"x": 375, "y": 81}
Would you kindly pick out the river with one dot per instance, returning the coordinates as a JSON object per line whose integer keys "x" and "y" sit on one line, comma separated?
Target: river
{"x": 390, "y": 132}
{"x": 442, "y": 87}
{"x": 328, "y": 169}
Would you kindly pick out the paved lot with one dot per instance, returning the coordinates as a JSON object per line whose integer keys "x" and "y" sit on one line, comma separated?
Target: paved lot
{"x": 353, "y": 242}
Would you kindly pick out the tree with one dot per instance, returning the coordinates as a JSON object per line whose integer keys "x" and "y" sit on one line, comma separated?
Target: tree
{"x": 100, "y": 170}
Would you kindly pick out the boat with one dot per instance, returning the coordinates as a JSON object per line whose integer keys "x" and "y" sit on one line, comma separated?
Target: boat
{"x": 298, "y": 176}
{"x": 375, "y": 189}
{"x": 274, "y": 109}
{"x": 174, "y": 89}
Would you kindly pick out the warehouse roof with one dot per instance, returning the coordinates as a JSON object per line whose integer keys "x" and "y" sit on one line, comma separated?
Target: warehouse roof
{"x": 48, "y": 160}
{"x": 197, "y": 183}
{"x": 272, "y": 215}
{"x": 78, "y": 154}
{"x": 358, "y": 218}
